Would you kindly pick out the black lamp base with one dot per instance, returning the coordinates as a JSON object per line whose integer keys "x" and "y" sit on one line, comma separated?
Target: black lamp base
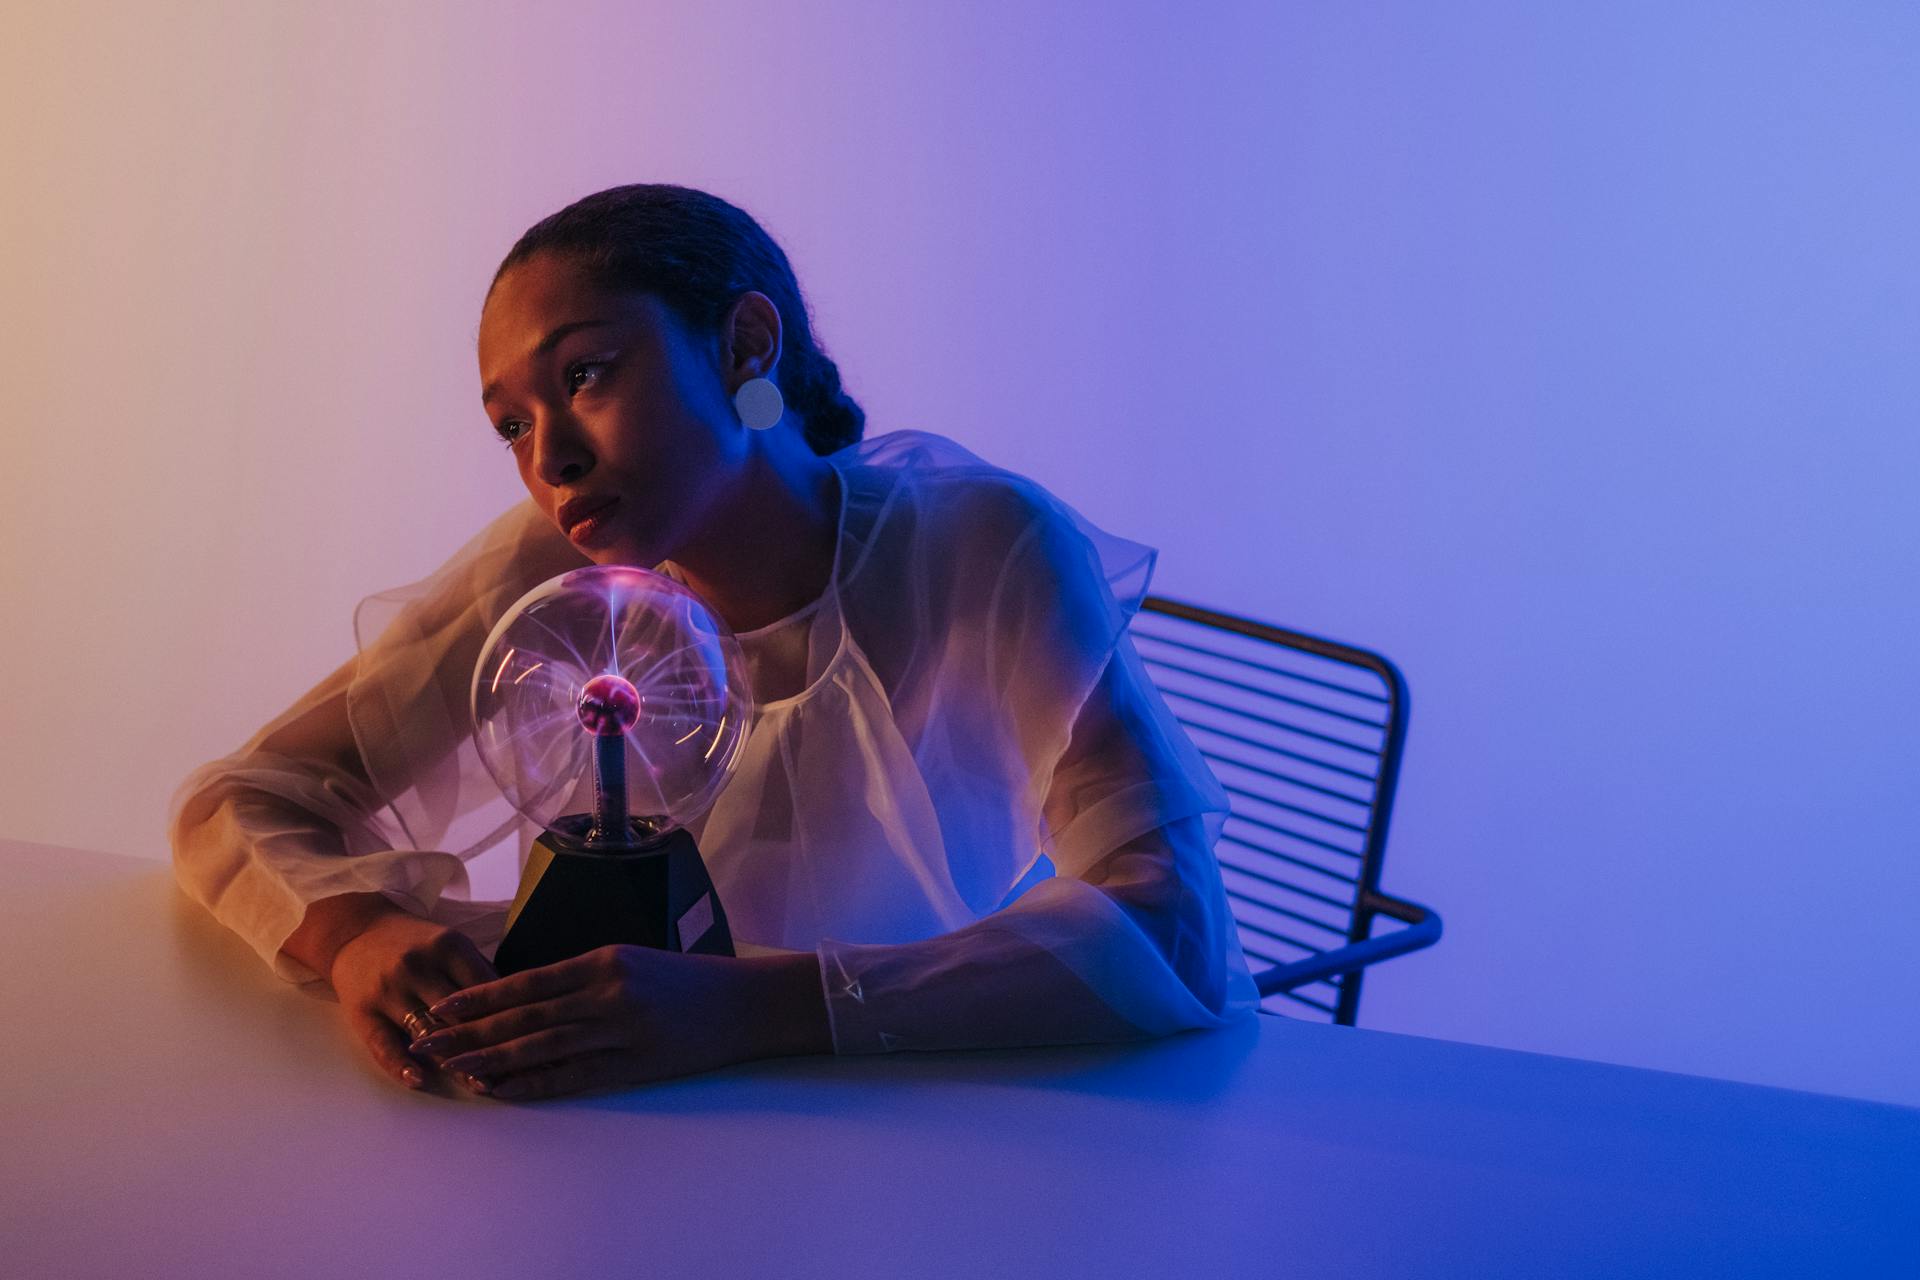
{"x": 574, "y": 899}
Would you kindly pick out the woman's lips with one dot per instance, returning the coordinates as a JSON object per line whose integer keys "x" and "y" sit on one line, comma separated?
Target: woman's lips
{"x": 591, "y": 528}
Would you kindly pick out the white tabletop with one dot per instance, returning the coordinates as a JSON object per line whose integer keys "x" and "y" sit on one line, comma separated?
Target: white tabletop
{"x": 173, "y": 1109}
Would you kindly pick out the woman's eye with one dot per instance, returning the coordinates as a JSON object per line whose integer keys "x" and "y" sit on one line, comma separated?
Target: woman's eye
{"x": 587, "y": 369}
{"x": 580, "y": 375}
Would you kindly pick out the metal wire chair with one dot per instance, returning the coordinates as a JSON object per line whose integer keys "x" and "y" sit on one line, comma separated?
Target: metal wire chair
{"x": 1306, "y": 736}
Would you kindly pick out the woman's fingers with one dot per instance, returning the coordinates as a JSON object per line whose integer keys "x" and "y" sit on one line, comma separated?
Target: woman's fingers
{"x": 467, "y": 966}
{"x": 388, "y": 1045}
{"x": 575, "y": 1075}
{"x": 499, "y": 1028}
{"x": 428, "y": 974}
{"x": 405, "y": 1008}
{"x": 528, "y": 986}
{"x": 431, "y": 970}
{"x": 540, "y": 1049}
{"x": 389, "y": 974}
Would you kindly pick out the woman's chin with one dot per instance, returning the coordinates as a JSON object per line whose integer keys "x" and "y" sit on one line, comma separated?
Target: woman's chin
{"x": 611, "y": 554}
{"x": 615, "y": 543}
{"x": 622, "y": 551}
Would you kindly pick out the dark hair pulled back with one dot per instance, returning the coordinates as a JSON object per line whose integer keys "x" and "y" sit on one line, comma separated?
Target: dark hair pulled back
{"x": 698, "y": 254}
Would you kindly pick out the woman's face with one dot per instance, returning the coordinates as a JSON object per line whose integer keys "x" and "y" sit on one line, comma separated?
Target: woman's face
{"x": 604, "y": 395}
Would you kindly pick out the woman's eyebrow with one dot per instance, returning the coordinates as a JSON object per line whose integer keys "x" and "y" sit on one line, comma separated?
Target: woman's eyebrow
{"x": 547, "y": 344}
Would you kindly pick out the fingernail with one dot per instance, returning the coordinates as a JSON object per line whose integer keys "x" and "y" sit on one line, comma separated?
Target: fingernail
{"x": 412, "y": 1076}
{"x": 475, "y": 1083}
{"x": 428, "y": 1044}
{"x": 452, "y": 1006}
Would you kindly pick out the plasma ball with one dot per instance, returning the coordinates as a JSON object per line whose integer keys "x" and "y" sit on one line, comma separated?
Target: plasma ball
{"x": 609, "y": 705}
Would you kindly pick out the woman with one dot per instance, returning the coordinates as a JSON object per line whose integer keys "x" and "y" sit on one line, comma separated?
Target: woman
{"x": 963, "y": 817}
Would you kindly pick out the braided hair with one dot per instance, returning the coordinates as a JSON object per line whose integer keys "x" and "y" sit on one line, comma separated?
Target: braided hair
{"x": 698, "y": 254}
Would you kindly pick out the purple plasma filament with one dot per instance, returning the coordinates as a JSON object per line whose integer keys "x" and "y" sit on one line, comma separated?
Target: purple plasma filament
{"x": 608, "y": 706}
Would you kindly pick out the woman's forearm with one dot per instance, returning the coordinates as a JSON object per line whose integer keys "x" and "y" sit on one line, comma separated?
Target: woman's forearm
{"x": 1142, "y": 947}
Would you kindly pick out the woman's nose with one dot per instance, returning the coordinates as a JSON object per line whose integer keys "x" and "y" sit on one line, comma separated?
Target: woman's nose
{"x": 560, "y": 454}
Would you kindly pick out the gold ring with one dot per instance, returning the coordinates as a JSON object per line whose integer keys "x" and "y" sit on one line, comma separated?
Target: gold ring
{"x": 419, "y": 1022}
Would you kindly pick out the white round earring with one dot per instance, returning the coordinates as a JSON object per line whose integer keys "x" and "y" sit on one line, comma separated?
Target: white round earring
{"x": 759, "y": 403}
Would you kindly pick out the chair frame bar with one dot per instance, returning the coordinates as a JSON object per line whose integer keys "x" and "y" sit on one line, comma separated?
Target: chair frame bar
{"x": 1422, "y": 924}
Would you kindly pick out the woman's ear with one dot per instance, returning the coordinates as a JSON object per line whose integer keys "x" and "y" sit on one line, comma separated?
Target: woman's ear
{"x": 751, "y": 338}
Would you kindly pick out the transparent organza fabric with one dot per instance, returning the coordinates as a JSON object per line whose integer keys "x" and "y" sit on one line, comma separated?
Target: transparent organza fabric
{"x": 960, "y": 790}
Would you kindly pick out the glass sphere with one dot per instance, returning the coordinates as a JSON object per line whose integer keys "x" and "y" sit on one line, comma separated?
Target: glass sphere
{"x": 605, "y": 651}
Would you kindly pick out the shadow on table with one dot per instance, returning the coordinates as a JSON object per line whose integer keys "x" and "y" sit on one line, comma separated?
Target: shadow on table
{"x": 1188, "y": 1069}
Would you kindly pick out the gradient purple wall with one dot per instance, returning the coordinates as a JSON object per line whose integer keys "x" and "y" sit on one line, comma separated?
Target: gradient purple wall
{"x": 1567, "y": 356}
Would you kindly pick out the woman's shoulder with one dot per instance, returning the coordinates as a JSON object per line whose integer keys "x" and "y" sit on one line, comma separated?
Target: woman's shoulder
{"x": 952, "y": 493}
{"x": 984, "y": 522}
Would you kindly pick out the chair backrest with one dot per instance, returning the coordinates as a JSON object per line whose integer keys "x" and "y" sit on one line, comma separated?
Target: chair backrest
{"x": 1306, "y": 735}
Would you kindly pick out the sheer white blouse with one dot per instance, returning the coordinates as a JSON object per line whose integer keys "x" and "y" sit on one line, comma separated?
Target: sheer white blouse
{"x": 959, "y": 789}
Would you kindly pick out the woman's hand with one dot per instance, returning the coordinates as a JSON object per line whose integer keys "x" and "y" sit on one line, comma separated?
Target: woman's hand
{"x": 395, "y": 965}
{"x": 625, "y": 1015}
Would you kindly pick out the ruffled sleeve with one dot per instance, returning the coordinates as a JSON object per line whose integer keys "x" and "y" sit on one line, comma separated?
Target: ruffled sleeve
{"x": 408, "y": 703}
{"x": 370, "y": 782}
{"x": 1038, "y": 679}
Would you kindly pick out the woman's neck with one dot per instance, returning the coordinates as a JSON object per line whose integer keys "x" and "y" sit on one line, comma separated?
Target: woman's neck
{"x": 769, "y": 550}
